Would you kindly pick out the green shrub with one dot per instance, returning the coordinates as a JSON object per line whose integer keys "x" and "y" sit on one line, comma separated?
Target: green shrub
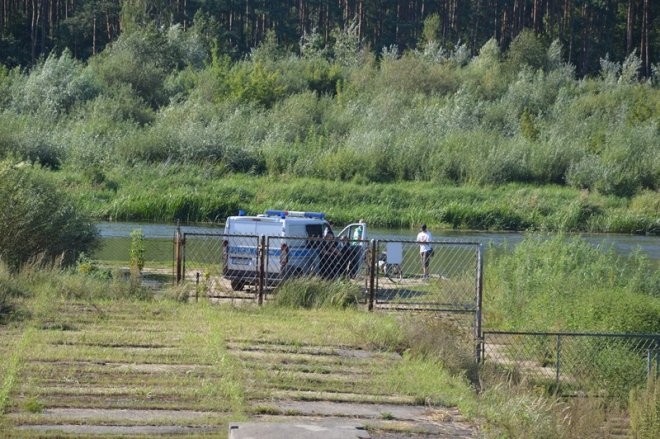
{"x": 54, "y": 86}
{"x": 136, "y": 252}
{"x": 347, "y": 50}
{"x": 618, "y": 369}
{"x": 150, "y": 145}
{"x": 34, "y": 405}
{"x": 484, "y": 74}
{"x": 564, "y": 283}
{"x": 321, "y": 76}
{"x": 89, "y": 267}
{"x": 645, "y": 202}
{"x": 412, "y": 74}
{"x": 5, "y": 83}
{"x": 9, "y": 291}
{"x": 30, "y": 138}
{"x": 428, "y": 115}
{"x": 317, "y": 293}
{"x": 37, "y": 220}
{"x": 255, "y": 82}
{"x": 139, "y": 59}
{"x": 526, "y": 49}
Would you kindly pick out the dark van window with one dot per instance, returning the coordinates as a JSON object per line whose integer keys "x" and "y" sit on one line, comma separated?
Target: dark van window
{"x": 313, "y": 231}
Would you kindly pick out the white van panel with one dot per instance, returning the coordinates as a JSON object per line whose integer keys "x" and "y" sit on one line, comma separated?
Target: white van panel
{"x": 254, "y": 226}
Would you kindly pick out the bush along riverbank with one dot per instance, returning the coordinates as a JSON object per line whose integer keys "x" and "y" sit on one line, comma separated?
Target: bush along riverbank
{"x": 194, "y": 193}
{"x": 561, "y": 283}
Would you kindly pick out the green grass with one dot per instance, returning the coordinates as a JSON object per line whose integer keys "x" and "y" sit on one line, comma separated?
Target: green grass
{"x": 317, "y": 293}
{"x": 11, "y": 369}
{"x": 206, "y": 194}
{"x": 644, "y": 413}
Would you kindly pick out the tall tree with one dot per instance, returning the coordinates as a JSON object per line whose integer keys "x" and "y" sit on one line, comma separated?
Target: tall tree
{"x": 588, "y": 29}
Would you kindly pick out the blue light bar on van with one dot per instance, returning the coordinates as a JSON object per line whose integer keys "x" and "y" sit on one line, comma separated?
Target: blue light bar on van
{"x": 280, "y": 213}
{"x": 316, "y": 215}
{"x": 295, "y": 213}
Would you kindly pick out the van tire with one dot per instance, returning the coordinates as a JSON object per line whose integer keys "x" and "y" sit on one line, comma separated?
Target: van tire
{"x": 237, "y": 285}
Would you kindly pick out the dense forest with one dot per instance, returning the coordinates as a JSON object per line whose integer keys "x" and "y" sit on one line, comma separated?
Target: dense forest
{"x": 588, "y": 29}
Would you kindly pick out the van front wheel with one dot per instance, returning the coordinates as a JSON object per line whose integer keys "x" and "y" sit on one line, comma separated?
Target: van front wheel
{"x": 237, "y": 285}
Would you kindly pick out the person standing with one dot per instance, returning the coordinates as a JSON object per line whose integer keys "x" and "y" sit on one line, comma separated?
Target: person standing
{"x": 329, "y": 255}
{"x": 424, "y": 239}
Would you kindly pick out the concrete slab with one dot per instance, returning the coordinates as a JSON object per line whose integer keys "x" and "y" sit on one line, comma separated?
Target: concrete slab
{"x": 125, "y": 415}
{"x": 385, "y": 428}
{"x": 126, "y": 430}
{"x": 329, "y": 408}
{"x": 255, "y": 430}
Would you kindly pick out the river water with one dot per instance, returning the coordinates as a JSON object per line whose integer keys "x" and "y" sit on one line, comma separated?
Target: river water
{"x": 622, "y": 244}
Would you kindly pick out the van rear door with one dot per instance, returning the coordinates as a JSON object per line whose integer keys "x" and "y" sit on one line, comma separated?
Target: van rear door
{"x": 241, "y": 257}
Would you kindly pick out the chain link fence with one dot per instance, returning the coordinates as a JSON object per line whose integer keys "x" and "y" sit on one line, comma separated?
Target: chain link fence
{"x": 251, "y": 267}
{"x": 156, "y": 252}
{"x": 328, "y": 259}
{"x": 568, "y": 364}
{"x": 394, "y": 275}
{"x": 205, "y": 260}
{"x": 449, "y": 281}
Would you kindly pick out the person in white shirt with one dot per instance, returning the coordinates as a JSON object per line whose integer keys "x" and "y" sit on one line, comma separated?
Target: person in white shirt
{"x": 424, "y": 239}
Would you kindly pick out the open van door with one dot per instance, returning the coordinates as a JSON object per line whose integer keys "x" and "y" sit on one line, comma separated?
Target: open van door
{"x": 354, "y": 232}
{"x": 353, "y": 239}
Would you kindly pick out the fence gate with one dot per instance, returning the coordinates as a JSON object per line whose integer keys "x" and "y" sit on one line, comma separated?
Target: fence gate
{"x": 392, "y": 274}
{"x": 451, "y": 283}
{"x": 331, "y": 260}
{"x": 201, "y": 260}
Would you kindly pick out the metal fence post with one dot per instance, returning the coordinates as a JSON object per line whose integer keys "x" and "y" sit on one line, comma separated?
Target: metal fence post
{"x": 478, "y": 335}
{"x": 197, "y": 287}
{"x": 372, "y": 273}
{"x": 558, "y": 365}
{"x": 652, "y": 354}
{"x": 261, "y": 269}
{"x": 178, "y": 244}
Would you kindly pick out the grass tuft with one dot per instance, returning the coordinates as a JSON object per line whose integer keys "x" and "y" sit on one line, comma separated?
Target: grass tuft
{"x": 33, "y": 405}
{"x": 644, "y": 405}
{"x": 317, "y": 293}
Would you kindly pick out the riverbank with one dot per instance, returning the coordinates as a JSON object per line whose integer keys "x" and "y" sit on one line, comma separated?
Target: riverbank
{"x": 187, "y": 193}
